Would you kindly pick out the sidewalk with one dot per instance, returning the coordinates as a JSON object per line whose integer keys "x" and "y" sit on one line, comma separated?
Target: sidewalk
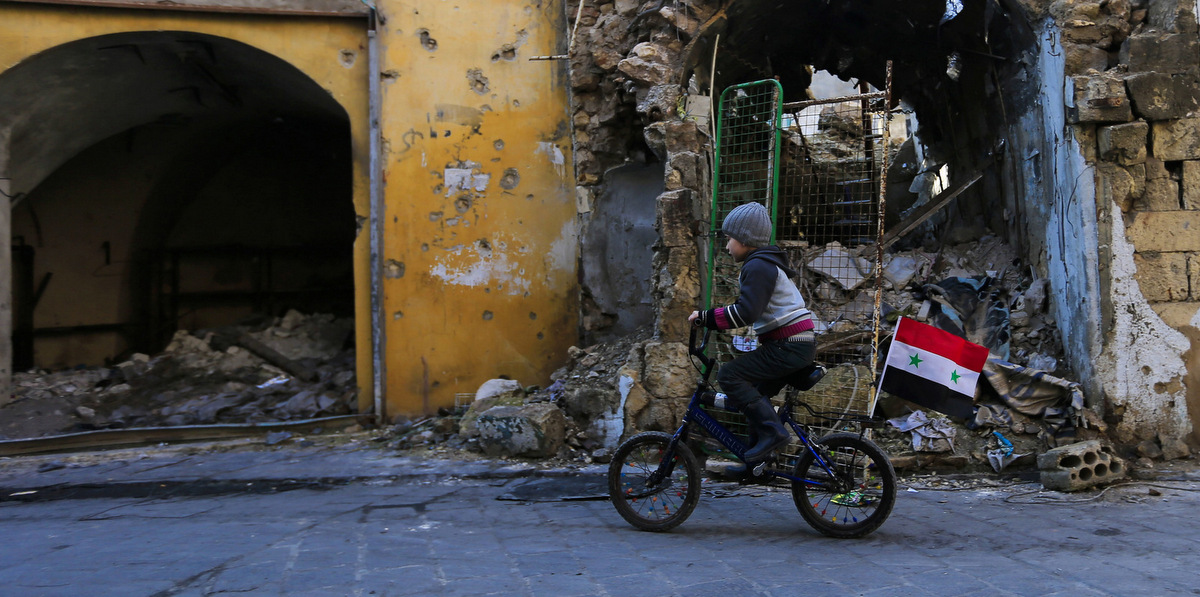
{"x": 329, "y": 460}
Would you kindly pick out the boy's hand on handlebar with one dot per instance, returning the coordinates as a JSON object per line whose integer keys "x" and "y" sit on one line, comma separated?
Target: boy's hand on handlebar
{"x": 694, "y": 318}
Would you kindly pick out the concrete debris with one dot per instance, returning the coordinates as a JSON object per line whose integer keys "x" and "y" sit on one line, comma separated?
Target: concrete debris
{"x": 202, "y": 377}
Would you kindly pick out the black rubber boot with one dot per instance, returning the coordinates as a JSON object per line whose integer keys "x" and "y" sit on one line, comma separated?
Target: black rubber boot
{"x": 765, "y": 424}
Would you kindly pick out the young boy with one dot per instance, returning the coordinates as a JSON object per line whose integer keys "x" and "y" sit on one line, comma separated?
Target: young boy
{"x": 770, "y": 301}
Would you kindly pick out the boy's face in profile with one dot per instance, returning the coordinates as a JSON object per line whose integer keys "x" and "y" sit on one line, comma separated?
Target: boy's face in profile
{"x": 737, "y": 250}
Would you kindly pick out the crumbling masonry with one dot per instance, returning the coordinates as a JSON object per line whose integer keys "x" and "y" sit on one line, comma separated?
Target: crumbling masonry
{"x": 1079, "y": 115}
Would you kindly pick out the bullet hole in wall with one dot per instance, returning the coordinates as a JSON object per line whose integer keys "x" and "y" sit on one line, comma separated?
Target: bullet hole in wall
{"x": 426, "y": 40}
{"x": 435, "y": 216}
{"x": 347, "y": 58}
{"x": 487, "y": 315}
{"x": 393, "y": 269}
{"x": 511, "y": 179}
{"x": 532, "y": 315}
{"x": 463, "y": 203}
{"x": 499, "y": 144}
{"x": 477, "y": 82}
{"x": 506, "y": 52}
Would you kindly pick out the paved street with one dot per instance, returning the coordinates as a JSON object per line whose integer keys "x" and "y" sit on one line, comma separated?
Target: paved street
{"x": 442, "y": 531}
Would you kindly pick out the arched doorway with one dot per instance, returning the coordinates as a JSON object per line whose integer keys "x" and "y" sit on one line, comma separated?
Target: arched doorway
{"x": 170, "y": 180}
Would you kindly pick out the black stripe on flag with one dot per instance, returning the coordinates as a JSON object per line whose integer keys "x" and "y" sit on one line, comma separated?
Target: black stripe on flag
{"x": 927, "y": 393}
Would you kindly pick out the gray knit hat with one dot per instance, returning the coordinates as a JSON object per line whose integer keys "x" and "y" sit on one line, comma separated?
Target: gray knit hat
{"x": 749, "y": 224}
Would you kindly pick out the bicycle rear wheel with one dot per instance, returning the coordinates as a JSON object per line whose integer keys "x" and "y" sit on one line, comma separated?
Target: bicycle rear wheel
{"x": 856, "y": 498}
{"x": 650, "y": 501}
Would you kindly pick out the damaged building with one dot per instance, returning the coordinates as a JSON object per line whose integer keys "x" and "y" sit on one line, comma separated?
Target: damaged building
{"x": 481, "y": 188}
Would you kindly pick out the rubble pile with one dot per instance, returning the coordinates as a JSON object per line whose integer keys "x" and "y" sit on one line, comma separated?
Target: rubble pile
{"x": 577, "y": 418}
{"x": 203, "y": 377}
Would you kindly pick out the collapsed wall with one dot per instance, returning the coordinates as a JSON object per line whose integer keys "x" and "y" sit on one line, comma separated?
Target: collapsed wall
{"x": 1072, "y": 112}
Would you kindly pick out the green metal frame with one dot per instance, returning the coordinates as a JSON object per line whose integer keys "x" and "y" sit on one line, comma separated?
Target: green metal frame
{"x": 749, "y": 129}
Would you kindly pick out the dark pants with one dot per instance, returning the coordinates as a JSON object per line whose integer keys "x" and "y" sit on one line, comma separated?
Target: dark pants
{"x": 760, "y": 373}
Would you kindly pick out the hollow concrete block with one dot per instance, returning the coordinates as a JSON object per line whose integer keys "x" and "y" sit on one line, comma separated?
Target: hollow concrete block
{"x": 1080, "y": 466}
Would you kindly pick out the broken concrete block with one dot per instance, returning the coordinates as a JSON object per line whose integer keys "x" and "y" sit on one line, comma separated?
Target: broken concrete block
{"x": 1176, "y": 139}
{"x": 900, "y": 270}
{"x": 1174, "y": 448}
{"x": 1162, "y": 96}
{"x": 1099, "y": 98}
{"x": 1155, "y": 52}
{"x": 1149, "y": 449}
{"x": 1124, "y": 144}
{"x": 843, "y": 267}
{"x": 494, "y": 392}
{"x": 534, "y": 430}
{"x": 647, "y": 64}
{"x": 1079, "y": 466}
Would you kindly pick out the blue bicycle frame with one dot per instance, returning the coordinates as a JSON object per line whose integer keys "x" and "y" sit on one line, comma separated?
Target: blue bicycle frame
{"x": 720, "y": 432}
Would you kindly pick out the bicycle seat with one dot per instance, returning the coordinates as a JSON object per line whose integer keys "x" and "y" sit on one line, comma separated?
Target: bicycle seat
{"x": 805, "y": 378}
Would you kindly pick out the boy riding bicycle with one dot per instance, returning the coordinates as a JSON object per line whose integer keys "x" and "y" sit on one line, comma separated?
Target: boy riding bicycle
{"x": 770, "y": 301}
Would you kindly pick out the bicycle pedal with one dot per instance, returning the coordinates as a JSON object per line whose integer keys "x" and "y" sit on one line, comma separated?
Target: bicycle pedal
{"x": 759, "y": 469}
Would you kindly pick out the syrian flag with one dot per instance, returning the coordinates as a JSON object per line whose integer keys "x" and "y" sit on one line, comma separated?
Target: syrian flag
{"x": 933, "y": 368}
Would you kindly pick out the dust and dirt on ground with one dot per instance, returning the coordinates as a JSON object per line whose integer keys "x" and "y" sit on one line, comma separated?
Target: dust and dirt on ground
{"x": 202, "y": 377}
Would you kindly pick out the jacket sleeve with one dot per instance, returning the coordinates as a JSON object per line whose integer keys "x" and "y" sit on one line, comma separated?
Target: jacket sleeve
{"x": 757, "y": 283}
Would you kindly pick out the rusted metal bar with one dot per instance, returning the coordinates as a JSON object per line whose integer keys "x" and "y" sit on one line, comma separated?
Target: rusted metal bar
{"x": 105, "y": 438}
{"x": 873, "y": 396}
{"x": 794, "y": 106}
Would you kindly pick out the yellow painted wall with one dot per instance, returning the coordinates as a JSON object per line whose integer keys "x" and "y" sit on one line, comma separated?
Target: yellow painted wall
{"x": 312, "y": 45}
{"x": 480, "y": 225}
{"x": 481, "y": 280}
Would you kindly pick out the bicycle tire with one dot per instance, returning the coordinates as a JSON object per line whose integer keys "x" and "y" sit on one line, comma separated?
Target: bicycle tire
{"x": 861, "y": 496}
{"x": 659, "y": 508}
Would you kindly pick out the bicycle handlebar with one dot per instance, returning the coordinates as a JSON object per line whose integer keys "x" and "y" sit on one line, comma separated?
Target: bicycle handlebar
{"x": 698, "y": 351}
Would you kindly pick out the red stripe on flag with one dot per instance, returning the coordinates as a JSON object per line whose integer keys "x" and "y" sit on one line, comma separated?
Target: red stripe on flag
{"x": 938, "y": 341}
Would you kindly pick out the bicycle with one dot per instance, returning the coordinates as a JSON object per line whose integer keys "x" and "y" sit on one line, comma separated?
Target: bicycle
{"x": 843, "y": 484}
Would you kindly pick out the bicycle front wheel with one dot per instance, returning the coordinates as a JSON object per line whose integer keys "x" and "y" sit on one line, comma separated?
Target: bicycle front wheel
{"x": 854, "y": 496}
{"x": 651, "y": 492}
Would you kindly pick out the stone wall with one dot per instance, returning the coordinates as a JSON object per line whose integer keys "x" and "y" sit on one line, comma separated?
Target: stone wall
{"x": 1096, "y": 168}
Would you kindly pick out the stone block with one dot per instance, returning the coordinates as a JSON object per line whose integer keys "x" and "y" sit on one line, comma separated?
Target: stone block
{"x": 1166, "y": 231}
{"x": 1162, "y": 276}
{"x": 1177, "y": 139}
{"x": 1172, "y": 15}
{"x": 648, "y": 64}
{"x": 686, "y": 170}
{"x": 1081, "y": 58}
{"x": 1162, "y": 96}
{"x": 676, "y": 222}
{"x": 1177, "y": 315}
{"x": 1121, "y": 185}
{"x": 1191, "y": 184}
{"x": 1079, "y": 466}
{"x": 1157, "y": 52}
{"x": 1161, "y": 194}
{"x": 1124, "y": 144}
{"x": 534, "y": 430}
{"x": 1174, "y": 448}
{"x": 668, "y": 371}
{"x": 1099, "y": 98}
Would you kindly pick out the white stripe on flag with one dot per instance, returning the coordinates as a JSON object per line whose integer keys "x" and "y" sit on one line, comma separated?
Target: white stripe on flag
{"x": 932, "y": 367}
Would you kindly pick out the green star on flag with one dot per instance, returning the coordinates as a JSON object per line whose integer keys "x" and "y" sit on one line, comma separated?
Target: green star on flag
{"x": 915, "y": 360}
{"x": 954, "y": 376}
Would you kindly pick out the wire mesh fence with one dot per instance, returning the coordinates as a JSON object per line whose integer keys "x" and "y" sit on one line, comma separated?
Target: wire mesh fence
{"x": 818, "y": 168}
